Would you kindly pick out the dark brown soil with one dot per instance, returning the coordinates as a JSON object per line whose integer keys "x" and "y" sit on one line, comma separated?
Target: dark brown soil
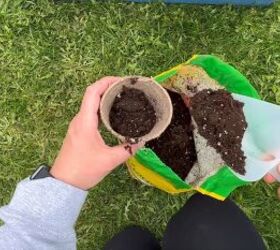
{"x": 221, "y": 121}
{"x": 132, "y": 115}
{"x": 175, "y": 147}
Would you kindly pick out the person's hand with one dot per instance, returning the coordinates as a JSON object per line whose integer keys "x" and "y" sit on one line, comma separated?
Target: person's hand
{"x": 268, "y": 177}
{"x": 84, "y": 159}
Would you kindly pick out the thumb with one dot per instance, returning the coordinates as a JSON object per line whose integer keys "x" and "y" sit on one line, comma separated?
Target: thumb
{"x": 119, "y": 154}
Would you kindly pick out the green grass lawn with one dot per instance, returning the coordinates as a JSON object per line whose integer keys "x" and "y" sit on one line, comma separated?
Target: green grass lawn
{"x": 50, "y": 53}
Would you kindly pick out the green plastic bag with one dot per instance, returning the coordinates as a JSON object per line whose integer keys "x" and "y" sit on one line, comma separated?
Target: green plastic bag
{"x": 148, "y": 167}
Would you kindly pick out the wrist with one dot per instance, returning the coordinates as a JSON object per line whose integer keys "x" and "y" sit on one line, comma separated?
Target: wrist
{"x": 76, "y": 177}
{"x": 66, "y": 177}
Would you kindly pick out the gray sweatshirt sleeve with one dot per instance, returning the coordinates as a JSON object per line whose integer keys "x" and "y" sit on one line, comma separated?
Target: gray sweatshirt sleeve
{"x": 41, "y": 215}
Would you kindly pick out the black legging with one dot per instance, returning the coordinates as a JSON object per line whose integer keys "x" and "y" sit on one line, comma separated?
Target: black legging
{"x": 202, "y": 224}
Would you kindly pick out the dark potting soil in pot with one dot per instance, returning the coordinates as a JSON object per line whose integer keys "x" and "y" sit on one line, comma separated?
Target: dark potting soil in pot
{"x": 221, "y": 121}
{"x": 132, "y": 114}
{"x": 175, "y": 147}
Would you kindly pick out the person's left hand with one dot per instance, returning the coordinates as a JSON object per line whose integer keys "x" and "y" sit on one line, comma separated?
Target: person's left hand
{"x": 84, "y": 159}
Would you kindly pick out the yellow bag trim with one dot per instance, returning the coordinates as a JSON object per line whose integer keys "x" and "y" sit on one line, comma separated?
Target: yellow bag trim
{"x": 211, "y": 194}
{"x": 139, "y": 171}
{"x": 176, "y": 67}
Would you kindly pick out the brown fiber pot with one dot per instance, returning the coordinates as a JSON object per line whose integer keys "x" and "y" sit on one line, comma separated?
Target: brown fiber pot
{"x": 157, "y": 95}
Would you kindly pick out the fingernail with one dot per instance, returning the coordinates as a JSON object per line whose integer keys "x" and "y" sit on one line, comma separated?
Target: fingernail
{"x": 268, "y": 157}
{"x": 141, "y": 144}
{"x": 135, "y": 147}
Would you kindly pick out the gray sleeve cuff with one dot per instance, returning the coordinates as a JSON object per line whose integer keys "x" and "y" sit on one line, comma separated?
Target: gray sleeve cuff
{"x": 45, "y": 201}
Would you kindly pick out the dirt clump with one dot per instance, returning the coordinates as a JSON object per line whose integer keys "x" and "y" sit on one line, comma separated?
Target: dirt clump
{"x": 221, "y": 121}
{"x": 175, "y": 147}
{"x": 132, "y": 114}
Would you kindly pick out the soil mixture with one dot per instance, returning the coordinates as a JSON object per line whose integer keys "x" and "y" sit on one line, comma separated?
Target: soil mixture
{"x": 175, "y": 147}
{"x": 221, "y": 121}
{"x": 132, "y": 115}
